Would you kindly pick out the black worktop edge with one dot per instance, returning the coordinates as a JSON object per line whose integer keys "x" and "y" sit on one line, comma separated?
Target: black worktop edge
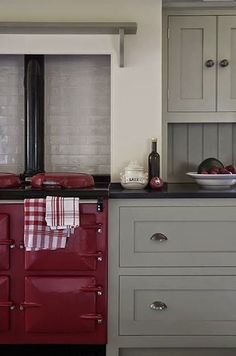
{"x": 175, "y": 191}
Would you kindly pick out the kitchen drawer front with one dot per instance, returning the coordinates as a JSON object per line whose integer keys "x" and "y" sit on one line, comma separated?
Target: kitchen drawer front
{"x": 5, "y": 242}
{"x": 191, "y": 306}
{"x": 177, "y": 352}
{"x": 84, "y": 249}
{"x": 4, "y": 303}
{"x": 60, "y": 304}
{"x": 177, "y": 236}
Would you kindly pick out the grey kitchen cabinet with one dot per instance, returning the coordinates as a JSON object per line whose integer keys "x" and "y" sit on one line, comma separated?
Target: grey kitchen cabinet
{"x": 166, "y": 236}
{"x": 202, "y": 63}
{"x": 172, "y": 277}
{"x": 177, "y": 305}
{"x": 226, "y": 86}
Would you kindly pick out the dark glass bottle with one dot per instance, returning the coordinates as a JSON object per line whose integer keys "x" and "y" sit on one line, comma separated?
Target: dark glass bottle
{"x": 153, "y": 161}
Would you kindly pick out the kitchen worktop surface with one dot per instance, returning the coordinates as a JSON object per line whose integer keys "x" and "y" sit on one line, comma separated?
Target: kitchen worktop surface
{"x": 170, "y": 190}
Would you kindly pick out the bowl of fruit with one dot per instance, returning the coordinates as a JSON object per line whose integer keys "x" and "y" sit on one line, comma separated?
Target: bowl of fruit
{"x": 212, "y": 174}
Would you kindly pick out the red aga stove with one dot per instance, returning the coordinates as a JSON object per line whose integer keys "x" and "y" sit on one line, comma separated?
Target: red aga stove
{"x": 59, "y": 296}
{"x": 51, "y": 296}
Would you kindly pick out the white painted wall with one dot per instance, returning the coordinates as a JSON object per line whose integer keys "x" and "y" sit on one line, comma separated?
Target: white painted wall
{"x": 136, "y": 89}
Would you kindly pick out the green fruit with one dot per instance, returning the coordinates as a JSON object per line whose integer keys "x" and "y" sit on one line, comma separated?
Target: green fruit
{"x": 209, "y": 163}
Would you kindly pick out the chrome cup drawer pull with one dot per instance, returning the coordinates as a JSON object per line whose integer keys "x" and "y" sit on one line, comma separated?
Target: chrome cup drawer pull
{"x": 158, "y": 237}
{"x": 158, "y": 306}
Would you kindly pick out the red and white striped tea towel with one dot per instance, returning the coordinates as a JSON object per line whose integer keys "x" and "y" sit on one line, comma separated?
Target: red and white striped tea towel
{"x": 62, "y": 212}
{"x": 37, "y": 235}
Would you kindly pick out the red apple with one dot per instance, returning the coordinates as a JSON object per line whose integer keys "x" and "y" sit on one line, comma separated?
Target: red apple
{"x": 156, "y": 183}
{"x": 204, "y": 171}
{"x": 224, "y": 171}
{"x": 231, "y": 168}
{"x": 214, "y": 170}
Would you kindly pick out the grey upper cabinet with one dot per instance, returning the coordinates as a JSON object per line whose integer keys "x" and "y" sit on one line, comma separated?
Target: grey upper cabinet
{"x": 202, "y": 63}
{"x": 226, "y": 63}
{"x": 192, "y": 42}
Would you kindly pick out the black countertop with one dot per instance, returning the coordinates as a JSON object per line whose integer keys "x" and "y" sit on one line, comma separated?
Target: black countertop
{"x": 107, "y": 190}
{"x": 170, "y": 190}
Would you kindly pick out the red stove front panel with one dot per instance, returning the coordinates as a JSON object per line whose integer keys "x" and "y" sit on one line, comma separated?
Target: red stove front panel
{"x": 5, "y": 242}
{"x": 84, "y": 249}
{"x": 5, "y": 303}
{"x": 60, "y": 304}
{"x": 60, "y": 297}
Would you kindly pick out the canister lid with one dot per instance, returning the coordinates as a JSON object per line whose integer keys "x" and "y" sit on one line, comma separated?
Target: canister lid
{"x": 133, "y": 166}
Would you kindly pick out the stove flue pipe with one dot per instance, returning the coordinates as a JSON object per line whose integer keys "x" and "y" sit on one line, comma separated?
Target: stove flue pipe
{"x": 34, "y": 114}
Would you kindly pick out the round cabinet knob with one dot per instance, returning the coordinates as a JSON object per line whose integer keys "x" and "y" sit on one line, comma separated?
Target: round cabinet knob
{"x": 158, "y": 306}
{"x": 224, "y": 63}
{"x": 210, "y": 63}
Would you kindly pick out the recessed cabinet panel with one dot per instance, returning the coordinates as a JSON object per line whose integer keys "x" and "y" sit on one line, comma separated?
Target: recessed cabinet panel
{"x": 167, "y": 351}
{"x": 192, "y": 67}
{"x": 179, "y": 305}
{"x": 4, "y": 242}
{"x": 190, "y": 143}
{"x": 177, "y": 236}
{"x": 201, "y": 63}
{"x": 60, "y": 304}
{"x": 226, "y": 63}
{"x": 4, "y": 300}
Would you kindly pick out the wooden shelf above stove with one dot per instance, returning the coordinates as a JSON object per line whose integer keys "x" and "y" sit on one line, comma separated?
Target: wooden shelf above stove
{"x": 79, "y": 28}
{"x": 86, "y": 28}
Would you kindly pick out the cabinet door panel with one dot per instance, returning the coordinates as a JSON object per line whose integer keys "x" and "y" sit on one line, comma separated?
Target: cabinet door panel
{"x": 4, "y": 246}
{"x": 82, "y": 247}
{"x": 57, "y": 304}
{"x": 82, "y": 242}
{"x": 227, "y": 75}
{"x": 4, "y": 298}
{"x": 191, "y": 83}
{"x": 196, "y": 305}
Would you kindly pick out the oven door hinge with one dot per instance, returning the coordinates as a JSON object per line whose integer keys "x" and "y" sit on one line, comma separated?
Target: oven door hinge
{"x": 100, "y": 205}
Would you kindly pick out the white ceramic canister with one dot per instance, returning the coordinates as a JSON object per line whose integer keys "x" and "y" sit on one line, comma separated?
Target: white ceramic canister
{"x": 133, "y": 176}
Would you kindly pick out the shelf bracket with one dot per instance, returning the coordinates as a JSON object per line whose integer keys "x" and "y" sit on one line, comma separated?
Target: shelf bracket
{"x": 121, "y": 41}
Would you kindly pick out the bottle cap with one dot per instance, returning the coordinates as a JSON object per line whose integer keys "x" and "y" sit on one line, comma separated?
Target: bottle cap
{"x": 154, "y": 139}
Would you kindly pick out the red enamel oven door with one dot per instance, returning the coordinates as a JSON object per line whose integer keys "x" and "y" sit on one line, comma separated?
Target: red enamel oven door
{"x": 4, "y": 242}
{"x": 60, "y": 304}
{"x": 4, "y": 303}
{"x": 81, "y": 251}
